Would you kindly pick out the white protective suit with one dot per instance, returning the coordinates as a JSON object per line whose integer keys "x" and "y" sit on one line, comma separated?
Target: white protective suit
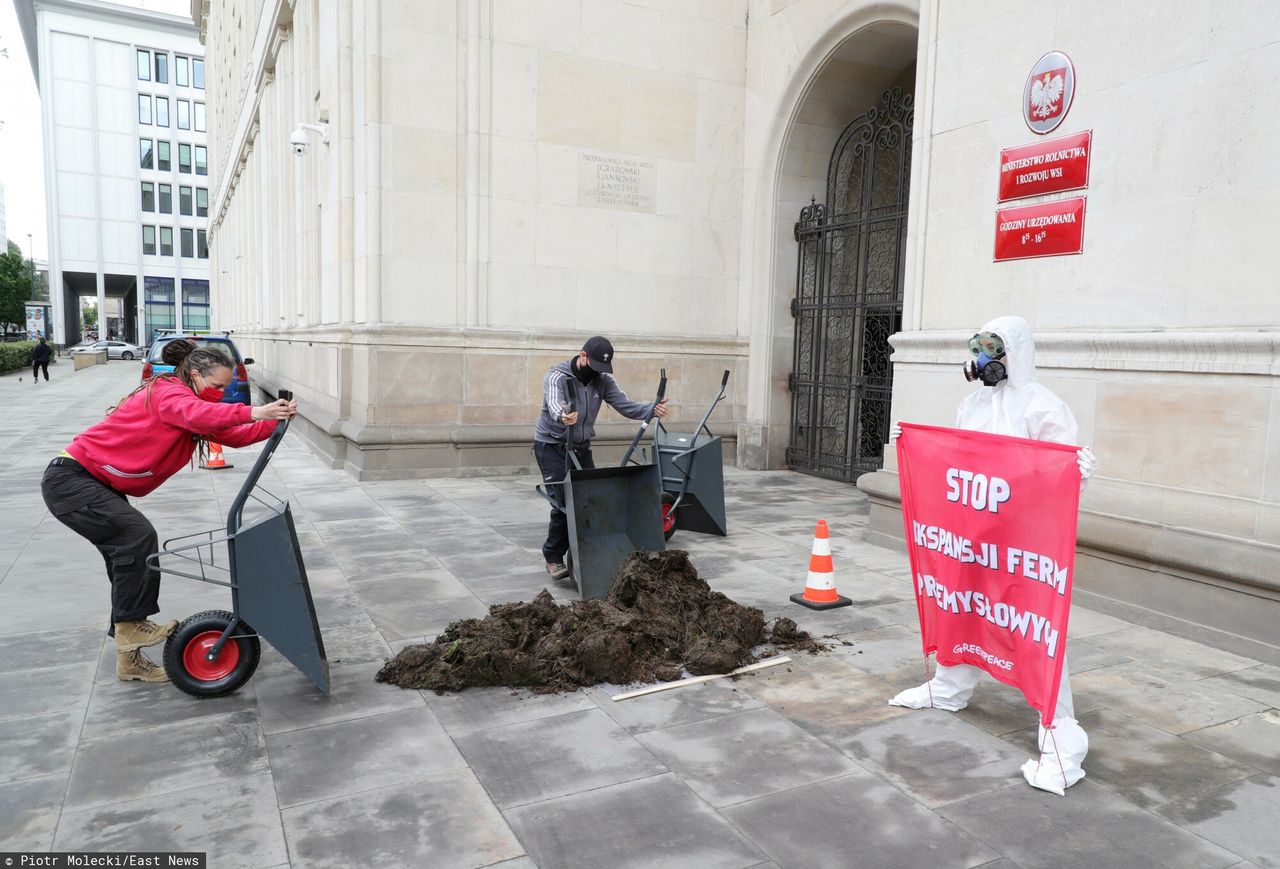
{"x": 1023, "y": 408}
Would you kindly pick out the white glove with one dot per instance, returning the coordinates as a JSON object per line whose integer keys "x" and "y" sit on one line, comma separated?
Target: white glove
{"x": 895, "y": 432}
{"x": 1088, "y": 463}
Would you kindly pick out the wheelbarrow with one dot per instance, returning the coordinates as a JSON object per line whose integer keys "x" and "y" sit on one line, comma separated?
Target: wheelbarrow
{"x": 213, "y": 653}
{"x": 692, "y": 466}
{"x": 611, "y": 512}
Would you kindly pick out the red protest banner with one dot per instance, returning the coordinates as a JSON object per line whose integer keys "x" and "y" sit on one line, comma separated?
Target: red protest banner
{"x": 991, "y": 534}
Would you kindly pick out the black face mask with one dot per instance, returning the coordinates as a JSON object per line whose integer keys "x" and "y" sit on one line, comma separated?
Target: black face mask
{"x": 989, "y": 371}
{"x": 584, "y": 373}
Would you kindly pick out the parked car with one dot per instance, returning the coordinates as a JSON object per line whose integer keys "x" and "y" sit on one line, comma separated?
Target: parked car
{"x": 115, "y": 349}
{"x": 236, "y": 392}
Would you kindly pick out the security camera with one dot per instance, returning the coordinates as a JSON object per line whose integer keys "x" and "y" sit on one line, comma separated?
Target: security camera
{"x": 298, "y": 140}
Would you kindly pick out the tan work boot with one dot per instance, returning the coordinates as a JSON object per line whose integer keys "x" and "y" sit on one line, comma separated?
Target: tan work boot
{"x": 133, "y": 666}
{"x": 141, "y": 633}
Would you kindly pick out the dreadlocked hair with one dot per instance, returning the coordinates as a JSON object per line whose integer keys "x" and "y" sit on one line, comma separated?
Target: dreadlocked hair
{"x": 187, "y": 358}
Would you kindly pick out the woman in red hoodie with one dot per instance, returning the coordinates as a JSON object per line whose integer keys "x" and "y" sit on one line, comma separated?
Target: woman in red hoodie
{"x": 144, "y": 440}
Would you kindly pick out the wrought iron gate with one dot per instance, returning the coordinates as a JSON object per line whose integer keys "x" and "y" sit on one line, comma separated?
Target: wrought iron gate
{"x": 849, "y": 296}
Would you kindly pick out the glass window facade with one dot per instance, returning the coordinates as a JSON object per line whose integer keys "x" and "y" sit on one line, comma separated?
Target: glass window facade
{"x": 162, "y": 156}
{"x": 162, "y": 111}
{"x": 200, "y": 118}
{"x": 159, "y": 308}
{"x": 184, "y": 201}
{"x": 144, "y": 65}
{"x": 184, "y": 157}
{"x": 184, "y": 115}
{"x": 144, "y": 109}
{"x": 180, "y": 71}
{"x": 195, "y": 304}
{"x": 188, "y": 239}
{"x": 197, "y": 72}
{"x": 149, "y": 240}
{"x": 148, "y": 196}
{"x": 202, "y": 244}
{"x": 166, "y": 199}
{"x": 202, "y": 202}
{"x": 162, "y": 67}
{"x": 145, "y": 149}
{"x": 166, "y": 241}
{"x": 202, "y": 160}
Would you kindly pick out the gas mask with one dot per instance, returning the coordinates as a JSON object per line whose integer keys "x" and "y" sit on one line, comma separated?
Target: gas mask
{"x": 986, "y": 365}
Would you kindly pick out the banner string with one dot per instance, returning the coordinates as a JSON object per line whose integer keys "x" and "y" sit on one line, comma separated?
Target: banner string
{"x": 1061, "y": 769}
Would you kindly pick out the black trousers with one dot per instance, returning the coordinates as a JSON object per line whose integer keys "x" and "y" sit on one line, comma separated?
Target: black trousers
{"x": 35, "y": 369}
{"x": 124, "y": 536}
{"x": 552, "y": 461}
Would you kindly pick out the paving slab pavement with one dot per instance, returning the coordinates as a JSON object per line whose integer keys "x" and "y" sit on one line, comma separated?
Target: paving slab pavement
{"x": 799, "y": 766}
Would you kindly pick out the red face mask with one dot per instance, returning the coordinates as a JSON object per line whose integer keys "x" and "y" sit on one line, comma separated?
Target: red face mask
{"x": 211, "y": 394}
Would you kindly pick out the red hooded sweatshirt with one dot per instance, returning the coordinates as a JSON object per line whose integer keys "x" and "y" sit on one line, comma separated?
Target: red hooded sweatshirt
{"x": 151, "y": 435}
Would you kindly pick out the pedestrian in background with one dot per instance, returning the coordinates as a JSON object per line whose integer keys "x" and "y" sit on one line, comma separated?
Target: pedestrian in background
{"x": 40, "y": 355}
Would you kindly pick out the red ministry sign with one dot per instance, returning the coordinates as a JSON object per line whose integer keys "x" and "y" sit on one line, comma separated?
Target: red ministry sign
{"x": 1050, "y": 166}
{"x": 991, "y": 533}
{"x": 1043, "y": 229}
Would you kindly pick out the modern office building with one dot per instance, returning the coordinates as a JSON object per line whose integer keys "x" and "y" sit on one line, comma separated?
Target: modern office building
{"x": 3, "y": 229}
{"x": 122, "y": 94}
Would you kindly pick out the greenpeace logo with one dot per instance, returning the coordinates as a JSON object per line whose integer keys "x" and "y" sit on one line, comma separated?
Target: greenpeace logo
{"x": 982, "y": 653}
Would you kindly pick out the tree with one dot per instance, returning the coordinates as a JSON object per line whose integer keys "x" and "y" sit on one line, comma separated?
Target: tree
{"x": 89, "y": 314}
{"x": 15, "y": 289}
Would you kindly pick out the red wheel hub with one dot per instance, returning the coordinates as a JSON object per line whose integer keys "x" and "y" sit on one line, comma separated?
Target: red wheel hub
{"x": 668, "y": 518}
{"x": 195, "y": 657}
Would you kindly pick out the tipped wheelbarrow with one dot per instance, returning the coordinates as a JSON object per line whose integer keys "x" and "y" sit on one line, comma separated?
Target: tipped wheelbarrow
{"x": 692, "y": 467}
{"x": 611, "y": 512}
{"x": 213, "y": 653}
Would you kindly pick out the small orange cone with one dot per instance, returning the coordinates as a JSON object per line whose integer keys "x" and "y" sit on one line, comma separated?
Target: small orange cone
{"x": 820, "y": 589}
{"x": 216, "y": 462}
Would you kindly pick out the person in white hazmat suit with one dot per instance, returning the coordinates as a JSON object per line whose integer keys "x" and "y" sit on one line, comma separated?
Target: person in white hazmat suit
{"x": 1010, "y": 402}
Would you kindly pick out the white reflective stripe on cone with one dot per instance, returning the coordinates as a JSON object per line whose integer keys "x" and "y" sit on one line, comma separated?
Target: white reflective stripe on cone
{"x": 820, "y": 580}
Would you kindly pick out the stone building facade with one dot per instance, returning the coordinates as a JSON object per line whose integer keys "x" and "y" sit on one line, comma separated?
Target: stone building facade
{"x": 503, "y": 178}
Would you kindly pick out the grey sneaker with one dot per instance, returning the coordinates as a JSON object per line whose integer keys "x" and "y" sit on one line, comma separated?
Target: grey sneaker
{"x": 133, "y": 666}
{"x": 557, "y": 569}
{"x": 142, "y": 633}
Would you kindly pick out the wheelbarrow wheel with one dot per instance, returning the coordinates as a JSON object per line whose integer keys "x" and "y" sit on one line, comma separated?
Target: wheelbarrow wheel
{"x": 186, "y": 655}
{"x": 668, "y": 515}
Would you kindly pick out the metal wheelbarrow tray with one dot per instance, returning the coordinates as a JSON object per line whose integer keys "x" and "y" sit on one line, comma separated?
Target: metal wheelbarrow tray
{"x": 213, "y": 653}
{"x": 692, "y": 467}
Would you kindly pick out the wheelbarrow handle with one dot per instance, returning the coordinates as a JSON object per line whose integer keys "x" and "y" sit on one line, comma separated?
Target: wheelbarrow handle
{"x": 548, "y": 497}
{"x": 570, "y": 457}
{"x": 662, "y": 391}
{"x": 724, "y": 382}
{"x": 236, "y": 514}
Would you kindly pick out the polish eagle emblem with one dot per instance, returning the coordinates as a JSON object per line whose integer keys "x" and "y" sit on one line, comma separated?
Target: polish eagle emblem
{"x": 1046, "y": 95}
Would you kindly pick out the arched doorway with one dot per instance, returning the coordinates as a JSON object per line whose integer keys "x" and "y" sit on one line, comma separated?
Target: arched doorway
{"x": 848, "y": 295}
{"x": 847, "y": 63}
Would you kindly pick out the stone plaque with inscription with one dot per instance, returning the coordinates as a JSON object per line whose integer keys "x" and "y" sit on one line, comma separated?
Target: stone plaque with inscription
{"x": 616, "y": 181}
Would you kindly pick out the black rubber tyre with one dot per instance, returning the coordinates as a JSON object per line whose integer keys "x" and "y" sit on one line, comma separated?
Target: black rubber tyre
{"x": 192, "y": 673}
{"x": 668, "y": 517}
{"x": 126, "y": 356}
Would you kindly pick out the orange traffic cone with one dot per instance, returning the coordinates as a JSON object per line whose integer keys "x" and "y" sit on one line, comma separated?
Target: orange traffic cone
{"x": 820, "y": 589}
{"x": 216, "y": 462}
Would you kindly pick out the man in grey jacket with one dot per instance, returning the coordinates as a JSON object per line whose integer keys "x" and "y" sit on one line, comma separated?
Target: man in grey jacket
{"x": 572, "y": 394}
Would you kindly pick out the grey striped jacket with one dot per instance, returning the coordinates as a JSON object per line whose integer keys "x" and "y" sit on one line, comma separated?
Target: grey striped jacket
{"x": 560, "y": 388}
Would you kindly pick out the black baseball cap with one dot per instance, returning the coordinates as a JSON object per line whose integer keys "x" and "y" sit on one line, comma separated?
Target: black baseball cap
{"x": 599, "y": 354}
